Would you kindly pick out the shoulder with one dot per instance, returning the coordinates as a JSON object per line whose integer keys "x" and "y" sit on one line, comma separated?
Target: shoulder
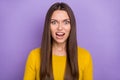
{"x": 32, "y": 64}
{"x": 84, "y": 57}
{"x": 82, "y": 52}
{"x": 34, "y": 54}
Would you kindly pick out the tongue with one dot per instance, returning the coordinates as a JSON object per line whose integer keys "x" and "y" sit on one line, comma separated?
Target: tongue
{"x": 59, "y": 34}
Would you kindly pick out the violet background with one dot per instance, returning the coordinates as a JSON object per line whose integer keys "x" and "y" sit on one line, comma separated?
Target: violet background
{"x": 98, "y": 30}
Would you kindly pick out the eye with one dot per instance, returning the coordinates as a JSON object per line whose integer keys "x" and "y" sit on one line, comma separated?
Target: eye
{"x": 53, "y": 22}
{"x": 66, "y": 22}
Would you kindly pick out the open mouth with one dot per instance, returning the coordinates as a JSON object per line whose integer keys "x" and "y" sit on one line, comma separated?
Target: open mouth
{"x": 60, "y": 35}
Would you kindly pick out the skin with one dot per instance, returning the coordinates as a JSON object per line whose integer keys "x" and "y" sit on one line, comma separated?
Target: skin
{"x": 60, "y": 29}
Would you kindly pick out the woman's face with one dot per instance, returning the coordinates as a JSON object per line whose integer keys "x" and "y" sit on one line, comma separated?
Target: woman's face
{"x": 60, "y": 26}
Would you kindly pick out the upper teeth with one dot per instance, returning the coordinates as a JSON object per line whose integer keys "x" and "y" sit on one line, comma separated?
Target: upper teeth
{"x": 59, "y": 33}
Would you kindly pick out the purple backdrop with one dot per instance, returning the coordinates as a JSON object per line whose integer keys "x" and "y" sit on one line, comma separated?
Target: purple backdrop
{"x": 98, "y": 26}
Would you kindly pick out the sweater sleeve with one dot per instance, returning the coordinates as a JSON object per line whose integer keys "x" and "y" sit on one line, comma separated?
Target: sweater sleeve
{"x": 29, "y": 73}
{"x": 88, "y": 70}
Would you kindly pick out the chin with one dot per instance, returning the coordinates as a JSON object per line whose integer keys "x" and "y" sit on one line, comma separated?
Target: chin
{"x": 60, "y": 41}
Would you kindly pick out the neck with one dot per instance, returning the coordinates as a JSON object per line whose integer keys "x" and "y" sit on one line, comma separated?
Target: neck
{"x": 59, "y": 49}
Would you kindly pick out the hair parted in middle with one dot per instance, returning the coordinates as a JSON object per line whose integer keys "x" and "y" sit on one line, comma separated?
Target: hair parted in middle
{"x": 71, "y": 70}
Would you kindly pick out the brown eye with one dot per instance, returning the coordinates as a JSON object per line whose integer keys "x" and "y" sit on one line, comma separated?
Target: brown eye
{"x": 53, "y": 22}
{"x": 66, "y": 22}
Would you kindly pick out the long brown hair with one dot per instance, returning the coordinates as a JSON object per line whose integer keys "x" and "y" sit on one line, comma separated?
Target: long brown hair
{"x": 71, "y": 71}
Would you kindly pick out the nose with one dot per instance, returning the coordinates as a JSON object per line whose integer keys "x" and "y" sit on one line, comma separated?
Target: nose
{"x": 60, "y": 26}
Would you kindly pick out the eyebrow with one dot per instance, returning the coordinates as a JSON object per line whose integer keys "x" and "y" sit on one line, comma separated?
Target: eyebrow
{"x": 63, "y": 20}
{"x": 66, "y": 20}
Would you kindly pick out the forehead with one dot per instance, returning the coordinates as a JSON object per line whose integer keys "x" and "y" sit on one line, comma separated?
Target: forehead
{"x": 59, "y": 14}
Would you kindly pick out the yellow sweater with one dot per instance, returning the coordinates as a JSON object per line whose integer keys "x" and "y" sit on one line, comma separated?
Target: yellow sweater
{"x": 33, "y": 65}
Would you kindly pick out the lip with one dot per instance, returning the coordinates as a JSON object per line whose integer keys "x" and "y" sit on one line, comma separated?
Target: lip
{"x": 60, "y": 35}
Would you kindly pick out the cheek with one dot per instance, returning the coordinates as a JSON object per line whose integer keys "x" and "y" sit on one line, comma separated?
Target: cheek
{"x": 68, "y": 28}
{"x": 52, "y": 29}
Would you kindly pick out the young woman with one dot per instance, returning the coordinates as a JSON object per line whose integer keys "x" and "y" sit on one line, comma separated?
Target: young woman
{"x": 59, "y": 57}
